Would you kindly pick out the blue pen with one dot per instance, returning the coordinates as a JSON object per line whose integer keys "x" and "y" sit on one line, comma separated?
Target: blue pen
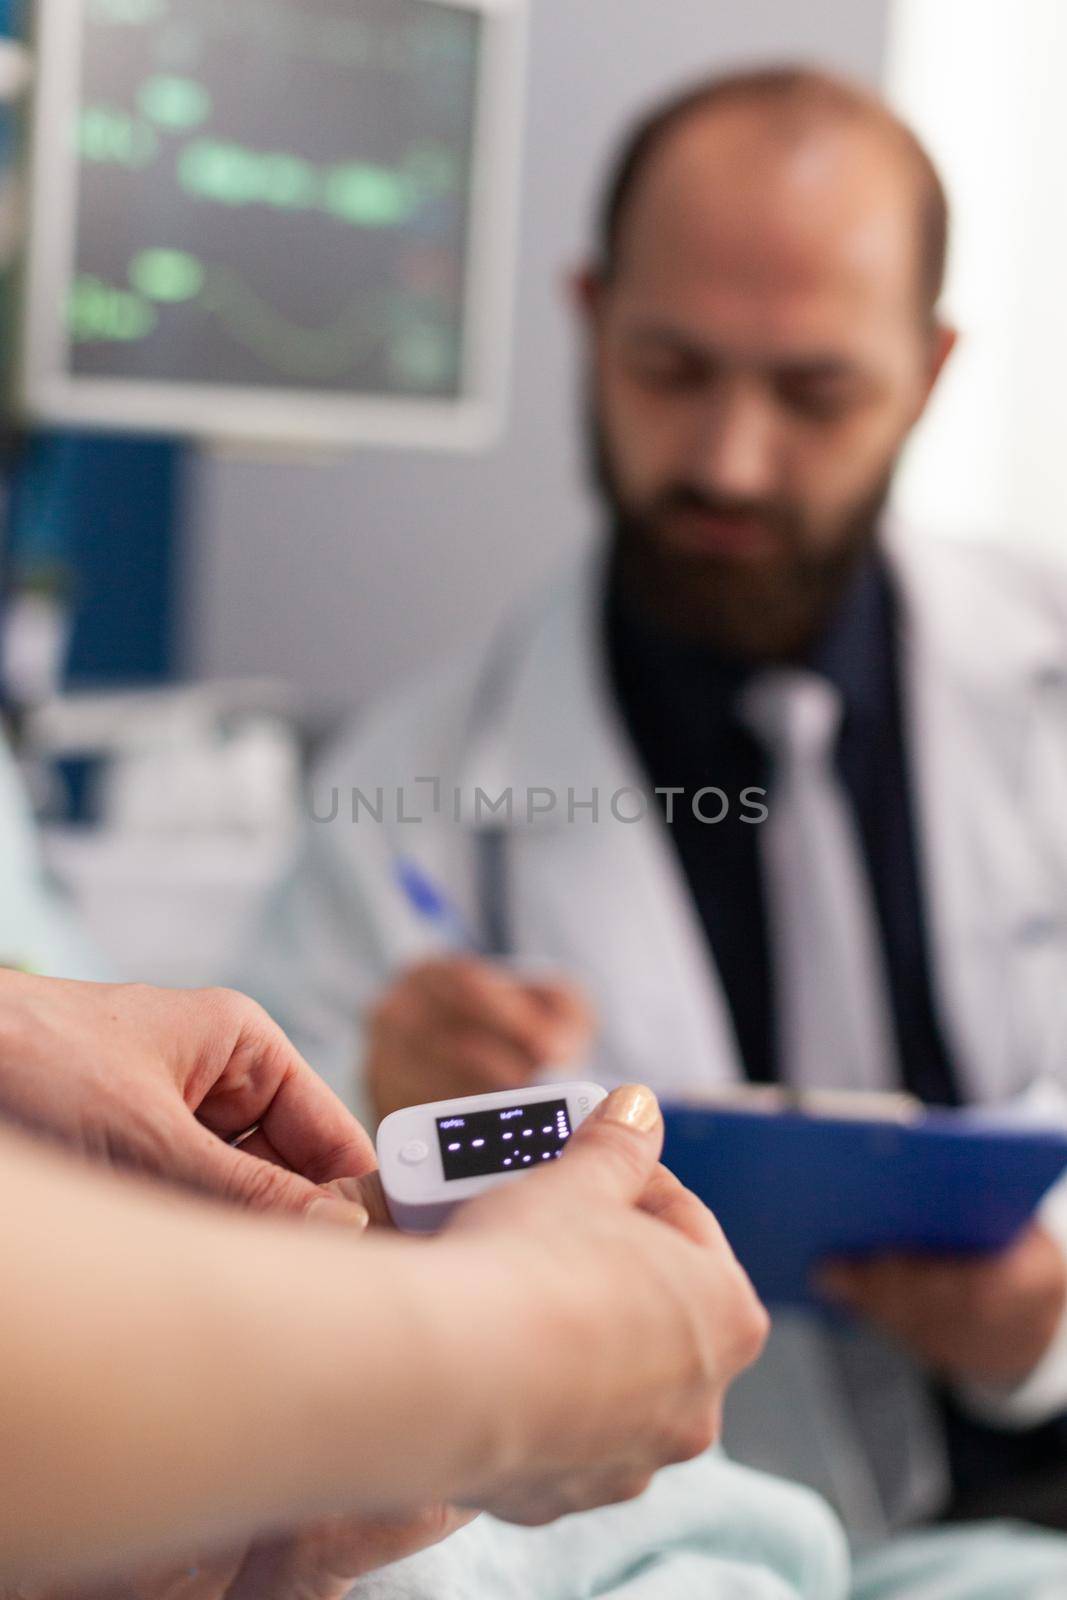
{"x": 433, "y": 907}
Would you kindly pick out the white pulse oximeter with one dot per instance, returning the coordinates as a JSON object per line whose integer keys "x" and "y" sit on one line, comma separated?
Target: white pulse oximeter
{"x": 433, "y": 1158}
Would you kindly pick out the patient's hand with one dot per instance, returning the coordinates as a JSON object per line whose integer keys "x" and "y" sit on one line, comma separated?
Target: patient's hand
{"x": 319, "y": 1563}
{"x": 986, "y": 1319}
{"x": 164, "y": 1081}
{"x": 461, "y": 1026}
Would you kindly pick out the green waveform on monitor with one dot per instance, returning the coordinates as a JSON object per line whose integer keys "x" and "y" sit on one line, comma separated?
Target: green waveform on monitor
{"x": 99, "y": 311}
{"x": 370, "y": 197}
{"x": 360, "y": 193}
{"x": 108, "y": 134}
{"x": 170, "y": 276}
{"x": 232, "y": 175}
{"x": 288, "y": 28}
{"x": 175, "y": 103}
{"x": 128, "y": 13}
{"x": 421, "y": 349}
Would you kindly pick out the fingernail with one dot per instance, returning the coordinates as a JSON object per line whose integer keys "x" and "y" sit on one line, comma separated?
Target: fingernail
{"x": 339, "y": 1213}
{"x": 634, "y": 1107}
{"x": 348, "y": 1189}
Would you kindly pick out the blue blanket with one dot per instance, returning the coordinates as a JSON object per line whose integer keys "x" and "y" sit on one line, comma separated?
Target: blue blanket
{"x": 709, "y": 1530}
{"x": 712, "y": 1530}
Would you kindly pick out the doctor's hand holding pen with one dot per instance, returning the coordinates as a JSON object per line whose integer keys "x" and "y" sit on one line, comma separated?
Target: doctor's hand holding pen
{"x": 463, "y": 1025}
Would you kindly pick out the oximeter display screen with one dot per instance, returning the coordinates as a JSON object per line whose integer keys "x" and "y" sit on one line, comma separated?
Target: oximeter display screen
{"x": 509, "y": 1139}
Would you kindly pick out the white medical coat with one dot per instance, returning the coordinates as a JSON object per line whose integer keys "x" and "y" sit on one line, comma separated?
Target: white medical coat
{"x": 984, "y": 651}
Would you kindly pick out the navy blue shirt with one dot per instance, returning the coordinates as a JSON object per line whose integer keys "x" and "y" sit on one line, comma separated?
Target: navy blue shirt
{"x": 679, "y": 702}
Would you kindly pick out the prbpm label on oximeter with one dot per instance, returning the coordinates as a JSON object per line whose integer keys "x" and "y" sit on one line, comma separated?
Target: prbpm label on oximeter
{"x": 505, "y": 1139}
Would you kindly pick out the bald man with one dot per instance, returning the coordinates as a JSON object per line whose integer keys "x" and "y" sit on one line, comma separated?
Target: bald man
{"x": 776, "y": 790}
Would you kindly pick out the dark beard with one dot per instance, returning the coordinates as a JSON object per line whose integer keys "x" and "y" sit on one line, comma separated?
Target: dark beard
{"x": 744, "y": 615}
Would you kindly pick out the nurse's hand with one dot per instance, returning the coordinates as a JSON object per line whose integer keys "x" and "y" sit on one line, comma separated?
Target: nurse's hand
{"x": 164, "y": 1081}
{"x": 461, "y": 1026}
{"x": 986, "y": 1320}
{"x": 635, "y": 1319}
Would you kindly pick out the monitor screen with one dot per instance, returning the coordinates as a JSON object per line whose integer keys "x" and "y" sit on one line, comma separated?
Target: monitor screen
{"x": 508, "y": 1139}
{"x": 268, "y": 198}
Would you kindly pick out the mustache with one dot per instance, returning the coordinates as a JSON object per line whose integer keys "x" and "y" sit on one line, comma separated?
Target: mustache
{"x": 686, "y": 497}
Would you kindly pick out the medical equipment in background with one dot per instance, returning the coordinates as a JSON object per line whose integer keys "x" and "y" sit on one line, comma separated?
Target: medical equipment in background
{"x": 195, "y": 795}
{"x": 15, "y": 76}
{"x": 221, "y": 758}
{"x": 286, "y": 221}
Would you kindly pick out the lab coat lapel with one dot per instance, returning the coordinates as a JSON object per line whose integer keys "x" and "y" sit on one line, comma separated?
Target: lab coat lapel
{"x": 970, "y": 668}
{"x": 607, "y": 898}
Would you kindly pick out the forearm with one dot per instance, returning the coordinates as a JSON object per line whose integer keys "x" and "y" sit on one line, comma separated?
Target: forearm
{"x": 172, "y": 1374}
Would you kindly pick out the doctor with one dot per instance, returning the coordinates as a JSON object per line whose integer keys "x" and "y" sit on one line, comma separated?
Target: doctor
{"x": 781, "y": 791}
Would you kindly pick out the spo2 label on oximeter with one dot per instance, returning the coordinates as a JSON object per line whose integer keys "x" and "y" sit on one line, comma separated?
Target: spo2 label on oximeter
{"x": 507, "y": 1139}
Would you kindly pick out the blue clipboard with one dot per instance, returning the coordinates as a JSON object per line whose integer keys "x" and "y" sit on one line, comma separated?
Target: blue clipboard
{"x": 792, "y": 1190}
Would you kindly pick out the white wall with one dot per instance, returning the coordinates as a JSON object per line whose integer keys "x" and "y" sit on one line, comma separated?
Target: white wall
{"x": 983, "y": 83}
{"x": 344, "y": 576}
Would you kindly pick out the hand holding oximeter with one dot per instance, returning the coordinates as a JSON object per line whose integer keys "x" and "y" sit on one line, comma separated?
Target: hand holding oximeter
{"x": 433, "y": 1158}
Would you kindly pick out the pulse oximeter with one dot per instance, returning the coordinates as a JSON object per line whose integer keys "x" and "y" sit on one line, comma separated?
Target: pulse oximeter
{"x": 435, "y": 1157}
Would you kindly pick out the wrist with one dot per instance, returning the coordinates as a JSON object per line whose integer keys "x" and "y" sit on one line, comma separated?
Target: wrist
{"x": 511, "y": 1330}
{"x": 416, "y": 1368}
{"x": 15, "y": 1025}
{"x": 25, "y": 1092}
{"x": 496, "y": 1337}
{"x": 467, "y": 1315}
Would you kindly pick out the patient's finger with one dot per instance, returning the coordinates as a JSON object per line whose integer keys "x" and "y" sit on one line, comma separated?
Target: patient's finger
{"x": 199, "y": 1158}
{"x": 249, "y": 1073}
{"x": 313, "y": 1131}
{"x": 257, "y": 1144}
{"x": 340, "y": 1201}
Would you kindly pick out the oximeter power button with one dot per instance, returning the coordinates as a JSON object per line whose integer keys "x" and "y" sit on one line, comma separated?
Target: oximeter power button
{"x": 414, "y": 1152}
